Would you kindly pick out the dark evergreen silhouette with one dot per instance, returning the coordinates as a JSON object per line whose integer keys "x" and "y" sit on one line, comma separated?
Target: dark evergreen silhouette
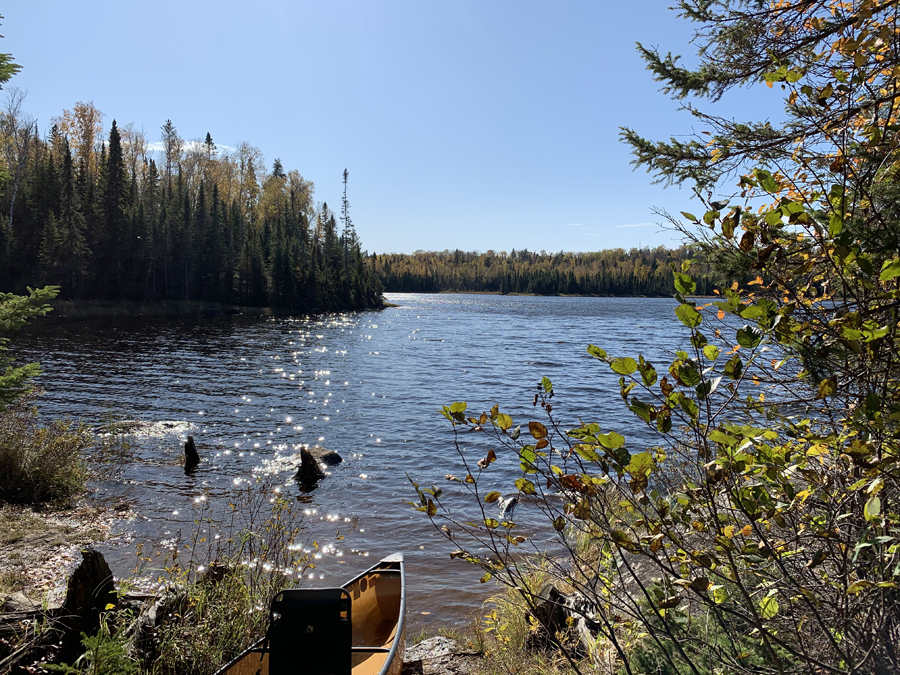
{"x": 196, "y": 230}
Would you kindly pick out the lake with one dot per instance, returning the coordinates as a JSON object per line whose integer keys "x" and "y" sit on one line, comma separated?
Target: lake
{"x": 368, "y": 385}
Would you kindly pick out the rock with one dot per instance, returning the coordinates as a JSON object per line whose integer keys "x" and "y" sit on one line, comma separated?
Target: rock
{"x": 154, "y": 610}
{"x": 212, "y": 312}
{"x": 439, "y": 656}
{"x": 191, "y": 456}
{"x": 121, "y": 428}
{"x": 309, "y": 473}
{"x": 507, "y": 506}
{"x": 324, "y": 456}
{"x": 17, "y": 602}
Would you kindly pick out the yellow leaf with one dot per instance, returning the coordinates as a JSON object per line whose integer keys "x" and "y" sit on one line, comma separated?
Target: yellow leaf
{"x": 747, "y": 531}
{"x": 729, "y": 531}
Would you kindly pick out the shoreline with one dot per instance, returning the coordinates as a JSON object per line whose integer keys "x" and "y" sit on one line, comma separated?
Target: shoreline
{"x": 39, "y": 548}
{"x": 75, "y": 310}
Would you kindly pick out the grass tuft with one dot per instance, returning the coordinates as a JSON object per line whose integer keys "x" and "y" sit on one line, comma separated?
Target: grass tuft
{"x": 40, "y": 464}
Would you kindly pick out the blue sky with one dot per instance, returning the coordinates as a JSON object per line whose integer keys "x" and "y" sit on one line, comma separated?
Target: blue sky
{"x": 467, "y": 124}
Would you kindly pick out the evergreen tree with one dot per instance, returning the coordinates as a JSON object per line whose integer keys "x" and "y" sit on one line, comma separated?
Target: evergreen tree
{"x": 113, "y": 236}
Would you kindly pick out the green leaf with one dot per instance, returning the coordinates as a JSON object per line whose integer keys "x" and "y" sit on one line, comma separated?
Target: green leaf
{"x": 710, "y": 217}
{"x": 503, "y": 421}
{"x": 664, "y": 424}
{"x": 793, "y": 76}
{"x": 624, "y": 366}
{"x": 719, "y": 594}
{"x": 648, "y": 373}
{"x": 546, "y": 384}
{"x": 689, "y": 374}
{"x": 525, "y": 486}
{"x": 827, "y": 387}
{"x": 835, "y": 225}
{"x": 766, "y": 181}
{"x": 559, "y": 524}
{"x": 684, "y": 284}
{"x": 587, "y": 453}
{"x": 492, "y": 496}
{"x": 734, "y": 367}
{"x": 768, "y": 608}
{"x": 890, "y": 269}
{"x": 689, "y": 216}
{"x": 688, "y": 405}
{"x": 723, "y": 438}
{"x": 641, "y": 464}
{"x": 872, "y": 509}
{"x": 703, "y": 389}
{"x": 458, "y": 407}
{"x": 711, "y": 352}
{"x": 640, "y": 408}
{"x": 596, "y": 352}
{"x": 689, "y": 316}
{"x": 749, "y": 336}
{"x": 612, "y": 440}
{"x": 491, "y": 523}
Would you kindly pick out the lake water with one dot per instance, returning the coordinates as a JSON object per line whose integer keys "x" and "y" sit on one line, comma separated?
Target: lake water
{"x": 365, "y": 384}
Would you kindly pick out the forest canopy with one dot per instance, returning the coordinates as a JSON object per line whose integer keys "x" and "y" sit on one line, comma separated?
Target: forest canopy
{"x": 639, "y": 271}
{"x": 101, "y": 215}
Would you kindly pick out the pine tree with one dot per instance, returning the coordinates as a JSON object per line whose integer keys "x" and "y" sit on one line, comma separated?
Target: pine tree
{"x": 73, "y": 252}
{"x": 113, "y": 236}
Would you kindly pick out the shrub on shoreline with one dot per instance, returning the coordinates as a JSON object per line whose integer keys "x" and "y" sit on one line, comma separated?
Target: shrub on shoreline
{"x": 40, "y": 463}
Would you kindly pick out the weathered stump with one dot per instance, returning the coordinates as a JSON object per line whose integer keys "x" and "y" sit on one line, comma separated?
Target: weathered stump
{"x": 191, "y": 456}
{"x": 309, "y": 473}
{"x": 561, "y": 614}
{"x": 90, "y": 591}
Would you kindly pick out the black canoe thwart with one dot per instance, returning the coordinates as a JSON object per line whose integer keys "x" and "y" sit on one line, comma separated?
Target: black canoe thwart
{"x": 357, "y": 629}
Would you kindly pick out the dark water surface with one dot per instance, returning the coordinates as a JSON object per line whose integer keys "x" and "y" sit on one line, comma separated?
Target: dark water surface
{"x": 368, "y": 385}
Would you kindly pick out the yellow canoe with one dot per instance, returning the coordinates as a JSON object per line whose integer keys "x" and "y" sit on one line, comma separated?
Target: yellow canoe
{"x": 367, "y": 614}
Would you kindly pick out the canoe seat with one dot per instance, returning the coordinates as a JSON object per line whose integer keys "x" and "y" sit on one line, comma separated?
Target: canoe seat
{"x": 310, "y": 632}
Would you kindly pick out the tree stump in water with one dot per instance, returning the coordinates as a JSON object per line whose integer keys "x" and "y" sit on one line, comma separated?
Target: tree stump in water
{"x": 309, "y": 473}
{"x": 191, "y": 456}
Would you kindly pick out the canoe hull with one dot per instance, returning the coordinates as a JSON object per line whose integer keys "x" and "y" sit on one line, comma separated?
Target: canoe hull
{"x": 378, "y": 614}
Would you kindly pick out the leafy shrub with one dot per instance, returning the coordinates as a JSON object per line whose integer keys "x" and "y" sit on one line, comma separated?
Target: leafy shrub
{"x": 105, "y": 653}
{"x": 40, "y": 463}
{"x": 224, "y": 577}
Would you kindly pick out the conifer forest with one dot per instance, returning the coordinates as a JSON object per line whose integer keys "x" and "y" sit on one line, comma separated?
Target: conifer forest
{"x": 639, "y": 271}
{"x": 101, "y": 215}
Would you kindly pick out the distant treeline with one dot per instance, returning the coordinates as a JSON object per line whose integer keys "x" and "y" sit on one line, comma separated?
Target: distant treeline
{"x": 97, "y": 215}
{"x": 639, "y": 271}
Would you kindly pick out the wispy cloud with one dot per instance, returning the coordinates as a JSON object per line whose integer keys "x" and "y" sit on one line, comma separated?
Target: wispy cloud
{"x": 157, "y": 146}
{"x": 575, "y": 225}
{"x": 638, "y": 225}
